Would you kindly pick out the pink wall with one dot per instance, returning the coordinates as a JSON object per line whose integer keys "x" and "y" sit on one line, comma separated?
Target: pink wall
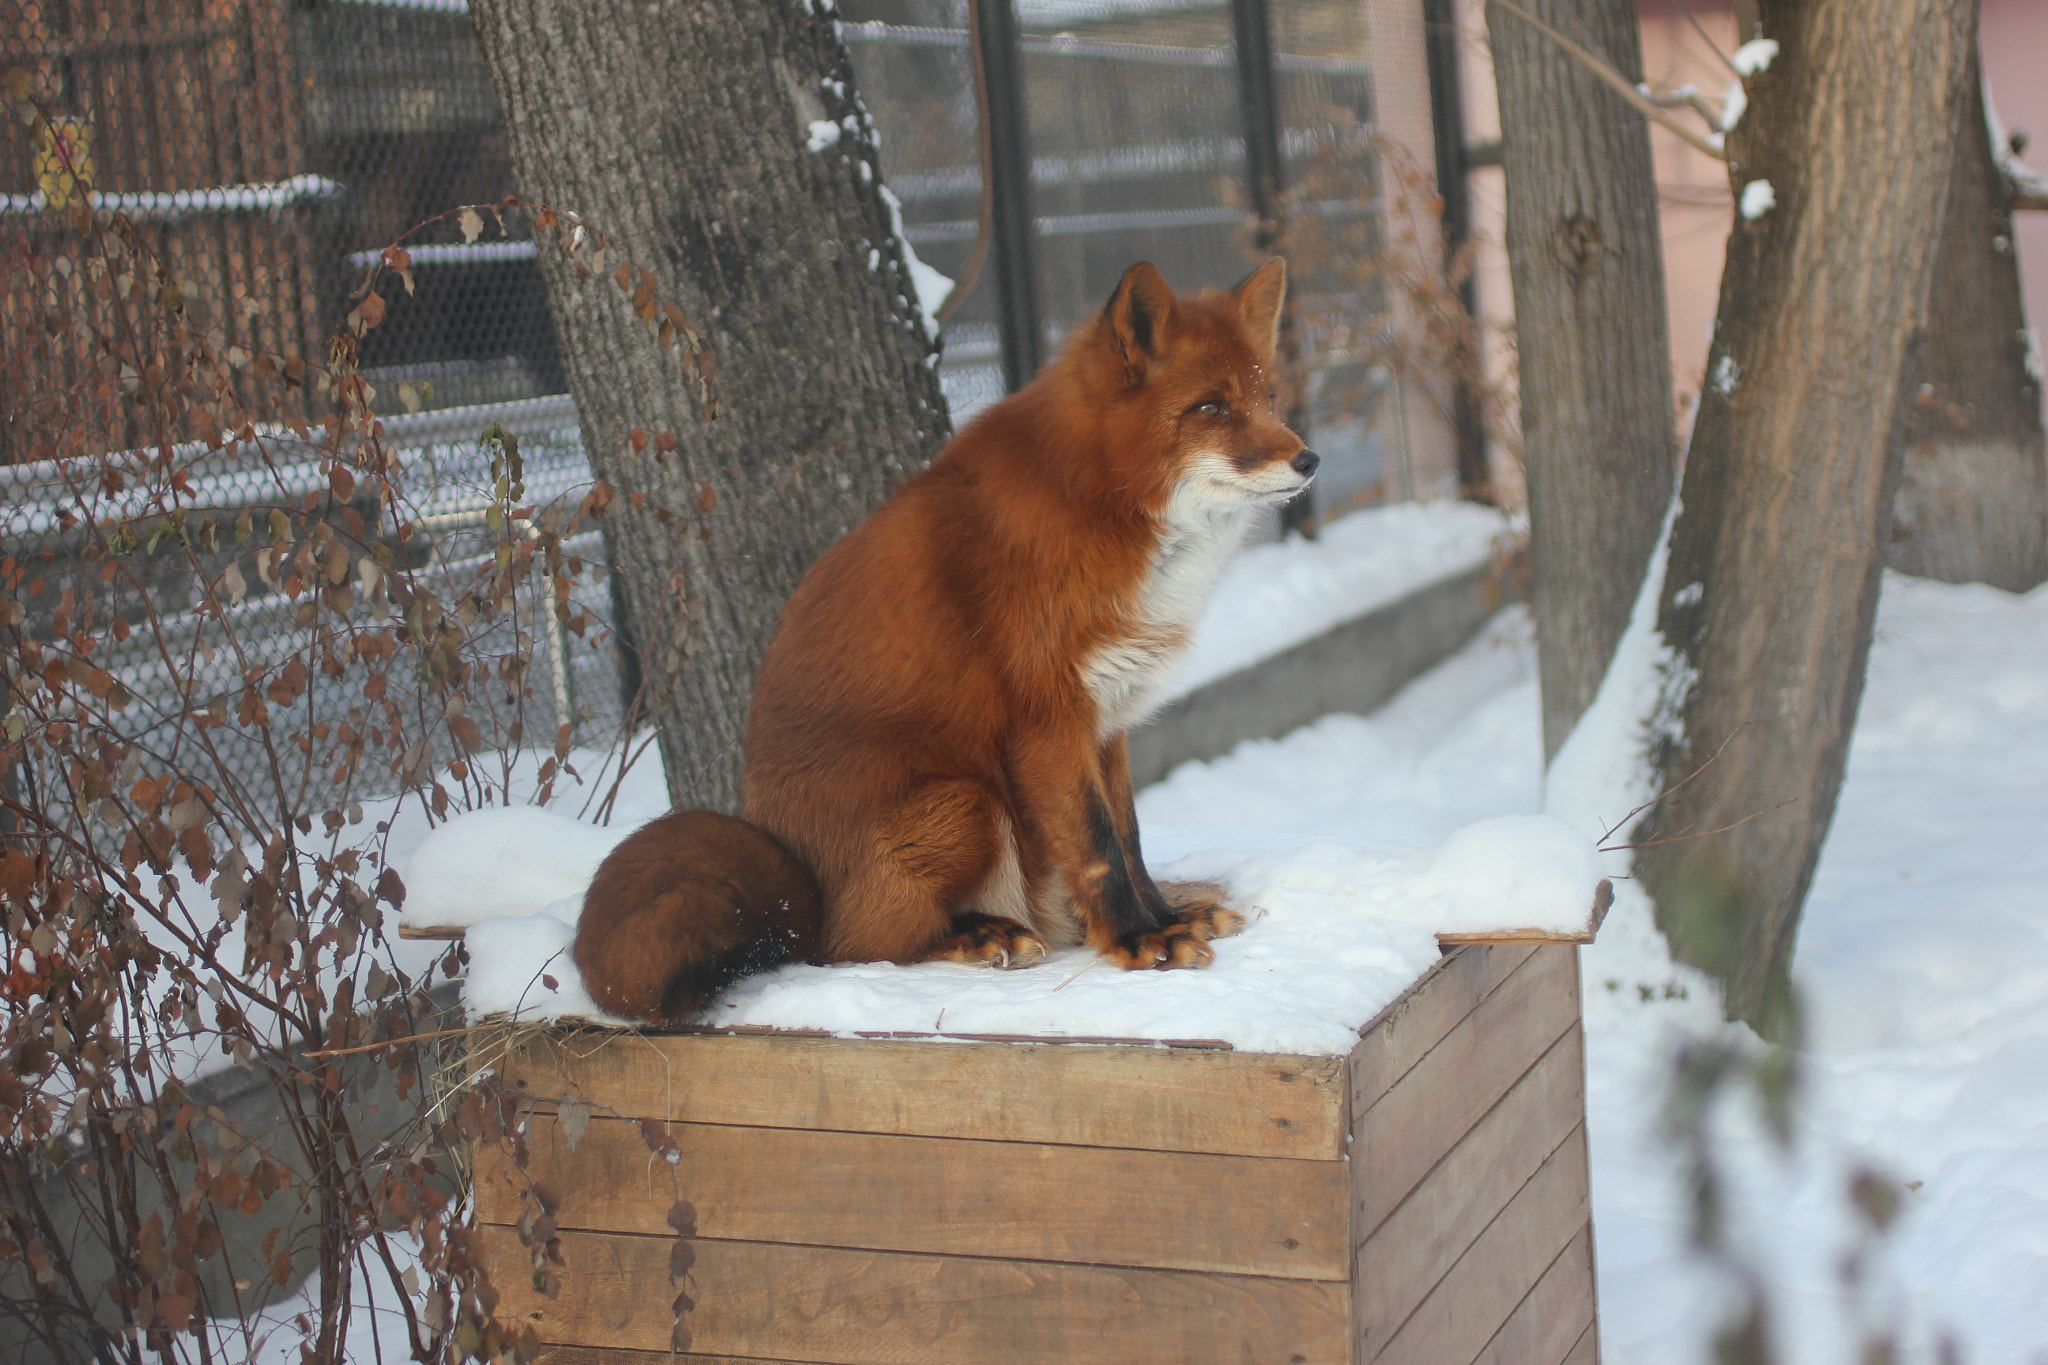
{"x": 1692, "y": 188}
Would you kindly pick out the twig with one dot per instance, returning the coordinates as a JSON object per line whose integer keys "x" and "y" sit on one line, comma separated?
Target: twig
{"x": 606, "y": 807}
{"x": 1688, "y": 98}
{"x": 1705, "y": 833}
{"x": 1621, "y": 85}
{"x": 1674, "y": 788}
{"x": 1072, "y": 979}
{"x": 1707, "y": 38}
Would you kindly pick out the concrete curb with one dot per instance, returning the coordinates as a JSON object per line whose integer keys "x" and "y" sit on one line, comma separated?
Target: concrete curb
{"x": 1352, "y": 667}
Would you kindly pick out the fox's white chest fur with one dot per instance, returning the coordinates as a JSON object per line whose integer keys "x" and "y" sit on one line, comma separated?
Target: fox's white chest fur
{"x": 1128, "y": 675}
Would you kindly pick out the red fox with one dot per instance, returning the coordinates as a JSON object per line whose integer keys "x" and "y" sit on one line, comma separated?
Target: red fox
{"x": 936, "y": 764}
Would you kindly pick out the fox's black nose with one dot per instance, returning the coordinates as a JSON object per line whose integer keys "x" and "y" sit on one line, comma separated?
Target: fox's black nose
{"x": 1305, "y": 463}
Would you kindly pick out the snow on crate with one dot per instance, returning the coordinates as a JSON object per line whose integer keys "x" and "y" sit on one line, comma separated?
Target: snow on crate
{"x": 512, "y": 860}
{"x": 1337, "y": 931}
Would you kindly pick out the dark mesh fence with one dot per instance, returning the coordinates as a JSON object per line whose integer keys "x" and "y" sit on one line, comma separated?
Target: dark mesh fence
{"x": 399, "y": 112}
{"x": 266, "y": 150}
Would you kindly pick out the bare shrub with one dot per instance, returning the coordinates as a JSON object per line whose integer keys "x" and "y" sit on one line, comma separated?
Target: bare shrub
{"x": 220, "y": 1070}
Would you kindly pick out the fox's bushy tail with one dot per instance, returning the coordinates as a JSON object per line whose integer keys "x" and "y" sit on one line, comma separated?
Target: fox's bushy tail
{"x": 686, "y": 905}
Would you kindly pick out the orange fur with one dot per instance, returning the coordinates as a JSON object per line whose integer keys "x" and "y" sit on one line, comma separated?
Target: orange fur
{"x": 937, "y": 731}
{"x": 645, "y": 945}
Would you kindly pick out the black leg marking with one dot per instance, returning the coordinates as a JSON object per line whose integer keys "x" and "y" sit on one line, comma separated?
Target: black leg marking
{"x": 1148, "y": 890}
{"x": 1125, "y": 902}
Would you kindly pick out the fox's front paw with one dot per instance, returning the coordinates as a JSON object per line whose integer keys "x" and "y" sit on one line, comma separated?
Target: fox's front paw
{"x": 1199, "y": 905}
{"x": 1177, "y": 945}
{"x": 988, "y": 941}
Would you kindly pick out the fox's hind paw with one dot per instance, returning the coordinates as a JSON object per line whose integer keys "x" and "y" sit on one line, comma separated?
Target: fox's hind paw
{"x": 988, "y": 941}
{"x": 1199, "y": 906}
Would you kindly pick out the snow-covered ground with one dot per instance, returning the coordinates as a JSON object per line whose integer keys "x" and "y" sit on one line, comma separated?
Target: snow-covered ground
{"x": 1923, "y": 963}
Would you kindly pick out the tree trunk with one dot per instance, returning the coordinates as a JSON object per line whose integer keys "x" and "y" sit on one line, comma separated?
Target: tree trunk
{"x": 1775, "y": 558}
{"x": 684, "y": 134}
{"x": 1972, "y": 505}
{"x": 1588, "y": 266}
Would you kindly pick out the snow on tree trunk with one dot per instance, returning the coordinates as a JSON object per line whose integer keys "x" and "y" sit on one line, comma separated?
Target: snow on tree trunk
{"x": 1587, "y": 260}
{"x": 722, "y": 142}
{"x": 1787, "y": 496}
{"x": 1972, "y": 505}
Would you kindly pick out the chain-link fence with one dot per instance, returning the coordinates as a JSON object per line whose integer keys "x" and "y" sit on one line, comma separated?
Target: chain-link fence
{"x": 268, "y": 149}
{"x": 174, "y": 657}
{"x": 265, "y": 151}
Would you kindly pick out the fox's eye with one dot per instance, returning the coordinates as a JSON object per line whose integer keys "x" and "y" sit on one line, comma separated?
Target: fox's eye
{"x": 1212, "y": 408}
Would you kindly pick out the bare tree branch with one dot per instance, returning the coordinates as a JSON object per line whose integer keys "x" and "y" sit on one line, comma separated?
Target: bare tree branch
{"x": 1707, "y": 38}
{"x": 2028, "y": 191}
{"x": 1671, "y": 790}
{"x": 1621, "y": 85}
{"x": 1687, "y": 98}
{"x": 984, "y": 226}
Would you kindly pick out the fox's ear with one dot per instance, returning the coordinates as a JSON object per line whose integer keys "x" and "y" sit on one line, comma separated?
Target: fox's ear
{"x": 1141, "y": 315}
{"x": 1259, "y": 300}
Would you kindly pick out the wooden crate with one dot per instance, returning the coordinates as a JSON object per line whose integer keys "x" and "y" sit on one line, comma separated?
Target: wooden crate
{"x": 1422, "y": 1201}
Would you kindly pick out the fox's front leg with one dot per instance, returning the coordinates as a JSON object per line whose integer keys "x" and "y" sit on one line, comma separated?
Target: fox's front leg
{"x": 1079, "y": 851}
{"x": 1198, "y": 905}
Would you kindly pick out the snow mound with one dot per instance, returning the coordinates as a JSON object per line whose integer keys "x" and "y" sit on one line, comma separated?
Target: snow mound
{"x": 519, "y": 967}
{"x": 1537, "y": 869}
{"x": 1338, "y": 930}
{"x": 514, "y": 860}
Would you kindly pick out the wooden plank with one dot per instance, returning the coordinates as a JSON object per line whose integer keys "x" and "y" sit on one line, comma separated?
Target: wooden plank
{"x": 1424, "y": 1114}
{"x": 1469, "y": 1305}
{"x": 878, "y": 1308}
{"x": 604, "y": 1355}
{"x": 1406, "y": 1030}
{"x": 1228, "y": 1103}
{"x": 1550, "y": 1324}
{"x": 943, "y": 1196}
{"x": 1401, "y": 1260}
